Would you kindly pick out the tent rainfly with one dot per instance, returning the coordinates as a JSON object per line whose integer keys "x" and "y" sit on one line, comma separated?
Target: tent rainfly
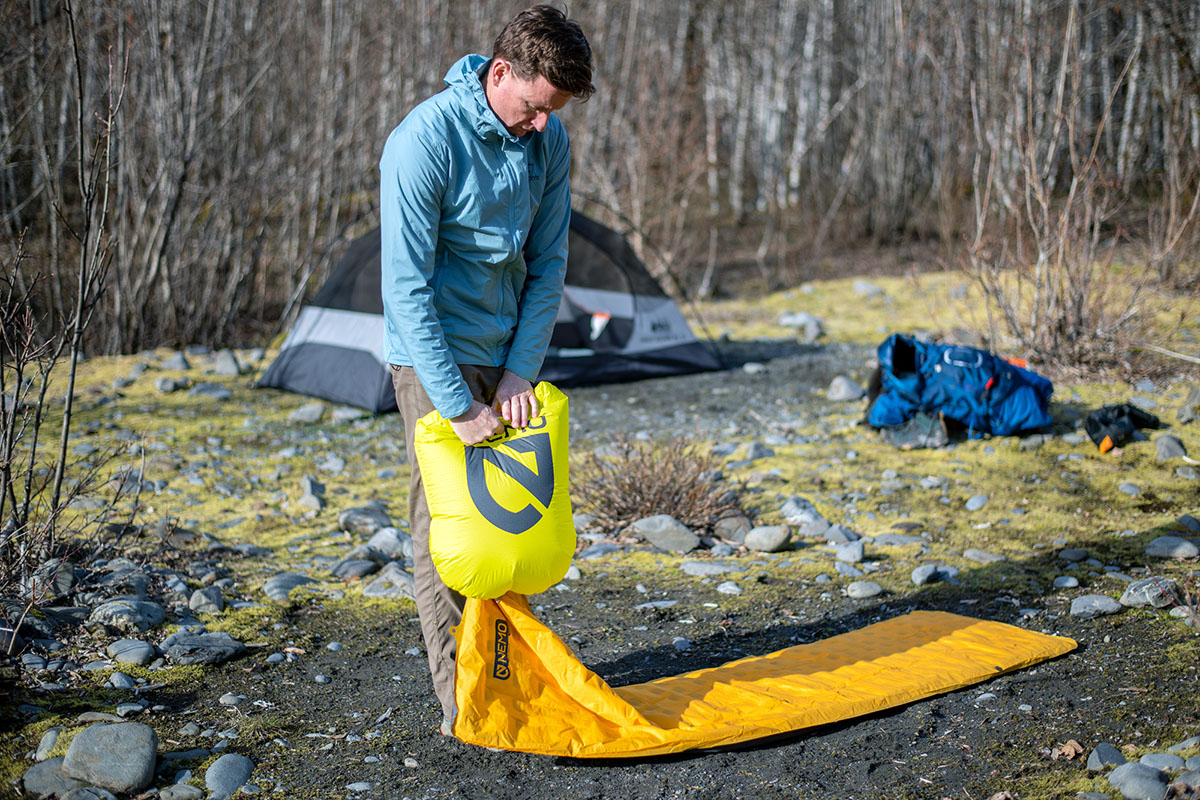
{"x": 615, "y": 324}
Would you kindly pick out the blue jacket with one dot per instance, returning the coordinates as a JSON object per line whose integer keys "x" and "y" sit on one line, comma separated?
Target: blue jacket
{"x": 474, "y": 235}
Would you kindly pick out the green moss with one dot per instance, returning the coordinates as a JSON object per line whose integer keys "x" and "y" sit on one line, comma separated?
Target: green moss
{"x": 245, "y": 624}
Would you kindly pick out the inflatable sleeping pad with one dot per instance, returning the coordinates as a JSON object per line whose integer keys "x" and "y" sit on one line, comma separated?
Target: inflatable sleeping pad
{"x": 519, "y": 687}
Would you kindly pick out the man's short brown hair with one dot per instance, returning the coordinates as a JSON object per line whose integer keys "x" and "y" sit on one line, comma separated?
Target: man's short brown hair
{"x": 541, "y": 41}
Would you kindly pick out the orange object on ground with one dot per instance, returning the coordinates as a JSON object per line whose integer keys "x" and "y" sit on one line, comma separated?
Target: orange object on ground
{"x": 519, "y": 687}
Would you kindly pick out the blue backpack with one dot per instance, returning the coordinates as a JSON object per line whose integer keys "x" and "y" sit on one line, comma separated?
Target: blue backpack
{"x": 983, "y": 392}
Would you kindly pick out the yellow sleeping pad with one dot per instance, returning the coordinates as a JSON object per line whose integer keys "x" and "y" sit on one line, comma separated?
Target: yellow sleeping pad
{"x": 520, "y": 688}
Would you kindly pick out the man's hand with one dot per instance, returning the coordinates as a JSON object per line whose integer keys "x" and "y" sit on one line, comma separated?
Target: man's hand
{"x": 515, "y": 401}
{"x": 479, "y": 423}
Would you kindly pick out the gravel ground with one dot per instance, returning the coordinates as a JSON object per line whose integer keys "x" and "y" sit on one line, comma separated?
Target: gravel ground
{"x": 370, "y": 730}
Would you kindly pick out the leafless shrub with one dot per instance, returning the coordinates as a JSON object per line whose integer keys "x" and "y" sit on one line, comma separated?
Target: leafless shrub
{"x": 634, "y": 479}
{"x": 1045, "y": 241}
{"x": 40, "y": 350}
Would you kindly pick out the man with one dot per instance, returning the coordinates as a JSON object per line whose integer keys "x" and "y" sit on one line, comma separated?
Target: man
{"x": 475, "y": 208}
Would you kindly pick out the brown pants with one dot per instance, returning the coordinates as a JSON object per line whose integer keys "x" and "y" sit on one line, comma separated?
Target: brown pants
{"x": 438, "y": 606}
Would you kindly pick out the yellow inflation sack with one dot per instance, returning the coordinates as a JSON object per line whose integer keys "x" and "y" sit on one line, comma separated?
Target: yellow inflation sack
{"x": 500, "y": 513}
{"x": 520, "y": 688}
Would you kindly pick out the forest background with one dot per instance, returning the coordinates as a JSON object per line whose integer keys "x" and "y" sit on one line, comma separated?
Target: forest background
{"x": 176, "y": 173}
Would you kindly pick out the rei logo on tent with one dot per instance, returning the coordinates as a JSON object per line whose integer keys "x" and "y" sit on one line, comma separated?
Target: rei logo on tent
{"x": 500, "y": 666}
{"x": 539, "y": 484}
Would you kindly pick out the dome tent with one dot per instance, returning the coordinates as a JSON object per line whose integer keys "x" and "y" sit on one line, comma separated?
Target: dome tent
{"x": 615, "y": 323}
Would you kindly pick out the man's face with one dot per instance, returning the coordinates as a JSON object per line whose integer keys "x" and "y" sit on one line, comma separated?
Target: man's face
{"x": 521, "y": 105}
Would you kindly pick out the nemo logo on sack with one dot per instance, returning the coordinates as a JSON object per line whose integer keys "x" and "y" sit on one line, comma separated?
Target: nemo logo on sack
{"x": 539, "y": 484}
{"x": 500, "y": 665}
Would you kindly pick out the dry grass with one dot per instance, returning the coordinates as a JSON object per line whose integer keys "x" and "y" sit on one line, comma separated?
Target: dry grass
{"x": 633, "y": 479}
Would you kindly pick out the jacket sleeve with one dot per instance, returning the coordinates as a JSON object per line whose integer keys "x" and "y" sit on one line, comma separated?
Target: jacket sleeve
{"x": 546, "y": 264}
{"x": 413, "y": 175}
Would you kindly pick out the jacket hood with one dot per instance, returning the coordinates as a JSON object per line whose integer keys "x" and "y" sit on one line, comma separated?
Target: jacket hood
{"x": 464, "y": 77}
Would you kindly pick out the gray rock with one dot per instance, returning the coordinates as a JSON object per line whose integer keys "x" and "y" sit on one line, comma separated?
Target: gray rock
{"x": 392, "y": 542}
{"x": 119, "y": 680}
{"x": 768, "y": 538}
{"x": 1090, "y": 606}
{"x": 703, "y": 569}
{"x": 312, "y": 493}
{"x": 391, "y": 583}
{"x": 757, "y": 450}
{"x": 839, "y": 534}
{"x": 89, "y": 793}
{"x": 1072, "y": 554}
{"x": 896, "y": 540}
{"x": 842, "y": 389}
{"x": 976, "y": 502}
{"x": 278, "y": 586}
{"x": 599, "y": 550}
{"x": 364, "y": 520}
{"x": 47, "y": 778}
{"x": 666, "y": 533}
{"x": 861, "y": 590}
{"x": 656, "y": 604}
{"x": 343, "y": 414}
{"x": 982, "y": 556}
{"x": 226, "y": 363}
{"x": 127, "y": 616}
{"x": 167, "y": 385}
{"x": 119, "y": 757}
{"x": 1172, "y": 547}
{"x": 850, "y": 552}
{"x": 810, "y": 328}
{"x": 1103, "y": 757}
{"x": 729, "y": 587}
{"x": 180, "y": 791}
{"x": 847, "y": 570}
{"x": 1189, "y": 523}
{"x": 207, "y": 601}
{"x": 866, "y": 289}
{"x": 226, "y": 775}
{"x": 1192, "y": 763}
{"x": 11, "y": 642}
{"x": 1066, "y": 582}
{"x": 1165, "y": 761}
{"x": 131, "y": 651}
{"x": 1186, "y": 744}
{"x": 1189, "y": 779}
{"x": 1169, "y": 447}
{"x": 733, "y": 528}
{"x": 177, "y": 361}
{"x": 1131, "y": 489}
{"x": 204, "y": 648}
{"x": 1138, "y": 781}
{"x": 354, "y": 568}
{"x": 1187, "y": 472}
{"x": 798, "y": 511}
{"x": 308, "y": 414}
{"x": 924, "y": 574}
{"x": 46, "y": 743}
{"x": 332, "y": 464}
{"x": 52, "y": 579}
{"x": 1155, "y": 591}
{"x": 214, "y": 391}
{"x": 1189, "y": 411}
{"x": 129, "y": 709}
